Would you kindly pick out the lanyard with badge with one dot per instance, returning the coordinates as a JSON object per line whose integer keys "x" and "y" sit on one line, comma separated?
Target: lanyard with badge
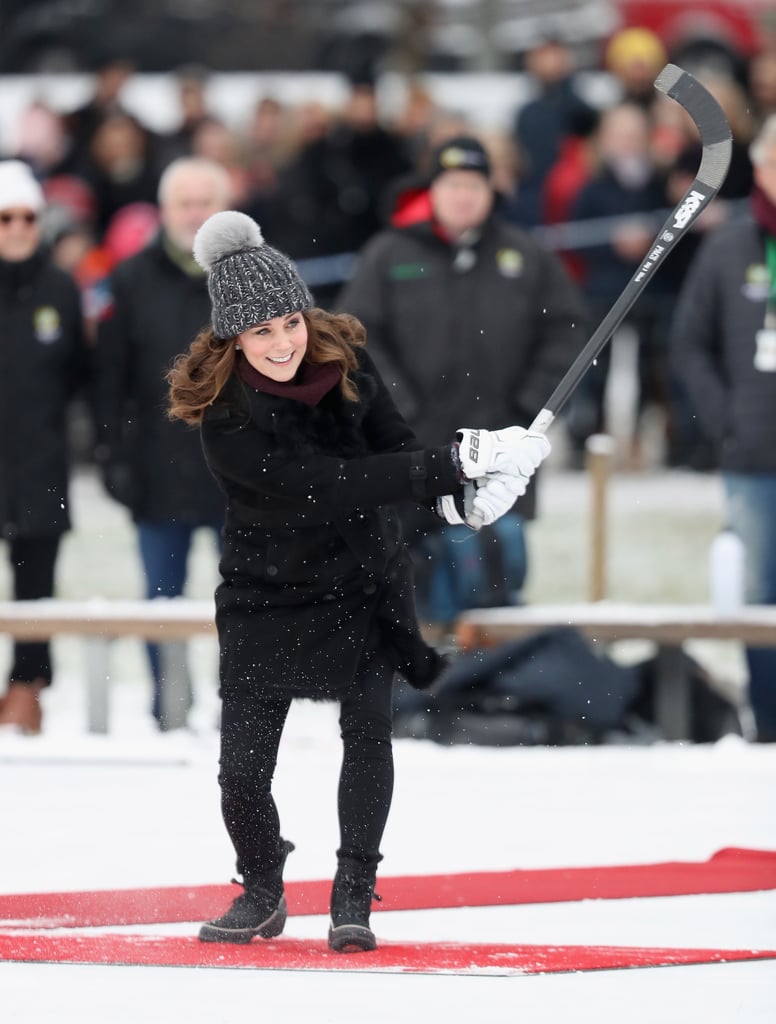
{"x": 765, "y": 339}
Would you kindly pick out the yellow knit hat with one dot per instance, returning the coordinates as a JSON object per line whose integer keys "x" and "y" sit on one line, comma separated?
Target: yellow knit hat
{"x": 635, "y": 45}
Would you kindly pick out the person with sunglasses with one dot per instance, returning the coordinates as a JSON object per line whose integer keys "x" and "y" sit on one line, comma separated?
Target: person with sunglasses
{"x": 42, "y": 364}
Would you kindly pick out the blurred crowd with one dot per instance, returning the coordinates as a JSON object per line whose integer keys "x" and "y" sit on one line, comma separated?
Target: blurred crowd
{"x": 590, "y": 180}
{"x": 580, "y": 189}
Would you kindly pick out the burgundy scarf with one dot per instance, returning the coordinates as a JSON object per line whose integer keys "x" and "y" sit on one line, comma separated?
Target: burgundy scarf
{"x": 763, "y": 210}
{"x": 311, "y": 382}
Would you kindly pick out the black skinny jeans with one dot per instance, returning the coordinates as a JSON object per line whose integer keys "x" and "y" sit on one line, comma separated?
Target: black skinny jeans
{"x": 251, "y": 727}
{"x": 33, "y": 560}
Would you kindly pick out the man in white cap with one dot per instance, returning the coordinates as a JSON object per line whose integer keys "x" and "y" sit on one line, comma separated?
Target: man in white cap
{"x": 42, "y": 361}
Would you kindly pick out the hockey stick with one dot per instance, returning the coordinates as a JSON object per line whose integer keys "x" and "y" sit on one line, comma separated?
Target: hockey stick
{"x": 716, "y": 139}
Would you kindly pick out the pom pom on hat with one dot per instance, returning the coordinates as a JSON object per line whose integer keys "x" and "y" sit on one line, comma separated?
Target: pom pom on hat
{"x": 249, "y": 282}
{"x": 224, "y": 234}
{"x": 19, "y": 187}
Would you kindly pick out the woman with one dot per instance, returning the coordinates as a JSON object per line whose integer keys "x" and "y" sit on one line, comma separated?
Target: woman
{"x": 316, "y": 598}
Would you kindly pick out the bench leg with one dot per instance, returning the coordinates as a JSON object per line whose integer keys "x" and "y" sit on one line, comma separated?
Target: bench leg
{"x": 97, "y": 675}
{"x": 176, "y": 691}
{"x": 673, "y": 698}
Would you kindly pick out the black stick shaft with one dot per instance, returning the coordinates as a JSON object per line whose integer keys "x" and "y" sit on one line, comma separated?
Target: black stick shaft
{"x": 715, "y": 136}
{"x": 716, "y": 140}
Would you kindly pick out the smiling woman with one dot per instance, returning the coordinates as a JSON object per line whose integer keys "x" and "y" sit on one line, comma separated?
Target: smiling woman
{"x": 275, "y": 348}
{"x": 317, "y": 598}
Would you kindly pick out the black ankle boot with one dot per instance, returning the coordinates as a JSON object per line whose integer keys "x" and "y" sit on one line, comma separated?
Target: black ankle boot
{"x": 351, "y": 902}
{"x": 259, "y": 910}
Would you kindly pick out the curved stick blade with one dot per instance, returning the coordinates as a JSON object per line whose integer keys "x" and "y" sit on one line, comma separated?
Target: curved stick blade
{"x": 709, "y": 118}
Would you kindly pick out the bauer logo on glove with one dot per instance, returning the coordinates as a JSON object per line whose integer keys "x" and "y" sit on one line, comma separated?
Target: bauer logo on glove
{"x": 474, "y": 445}
{"x": 513, "y": 451}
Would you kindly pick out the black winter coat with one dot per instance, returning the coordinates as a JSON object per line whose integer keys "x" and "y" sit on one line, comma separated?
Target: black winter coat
{"x": 713, "y": 344}
{"x": 315, "y": 574}
{"x": 483, "y": 345}
{"x": 42, "y": 365}
{"x": 152, "y": 465}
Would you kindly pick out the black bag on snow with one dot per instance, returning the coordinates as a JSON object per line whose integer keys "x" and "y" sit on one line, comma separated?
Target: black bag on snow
{"x": 553, "y": 688}
{"x": 712, "y": 715}
{"x": 548, "y": 688}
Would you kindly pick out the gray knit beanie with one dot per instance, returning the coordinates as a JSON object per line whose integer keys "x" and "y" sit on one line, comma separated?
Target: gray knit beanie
{"x": 249, "y": 281}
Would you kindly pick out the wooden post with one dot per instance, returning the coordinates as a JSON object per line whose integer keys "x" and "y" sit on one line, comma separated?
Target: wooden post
{"x": 599, "y": 455}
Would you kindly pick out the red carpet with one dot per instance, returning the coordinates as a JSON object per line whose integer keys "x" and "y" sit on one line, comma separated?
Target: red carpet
{"x": 309, "y": 955}
{"x": 728, "y": 870}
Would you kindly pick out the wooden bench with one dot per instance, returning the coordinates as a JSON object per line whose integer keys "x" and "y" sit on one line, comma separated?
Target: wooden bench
{"x": 101, "y": 621}
{"x": 669, "y": 626}
{"x": 167, "y": 621}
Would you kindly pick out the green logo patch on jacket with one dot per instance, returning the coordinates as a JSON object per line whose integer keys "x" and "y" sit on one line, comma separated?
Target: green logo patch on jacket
{"x": 509, "y": 262}
{"x": 407, "y": 271}
{"x": 757, "y": 283}
{"x": 47, "y": 324}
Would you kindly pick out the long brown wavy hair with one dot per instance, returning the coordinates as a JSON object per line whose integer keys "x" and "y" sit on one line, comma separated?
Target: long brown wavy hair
{"x": 199, "y": 376}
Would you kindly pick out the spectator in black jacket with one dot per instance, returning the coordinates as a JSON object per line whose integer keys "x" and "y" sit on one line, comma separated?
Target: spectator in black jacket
{"x": 111, "y": 75}
{"x": 328, "y": 201}
{"x": 466, "y": 315}
{"x": 41, "y": 367}
{"x": 543, "y": 124}
{"x": 724, "y": 346}
{"x": 153, "y": 466}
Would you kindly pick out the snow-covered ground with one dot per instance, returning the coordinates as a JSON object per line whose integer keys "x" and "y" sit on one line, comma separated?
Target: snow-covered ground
{"x": 136, "y": 808}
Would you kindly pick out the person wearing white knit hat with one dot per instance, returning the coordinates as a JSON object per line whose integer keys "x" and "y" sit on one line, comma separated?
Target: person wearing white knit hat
{"x": 19, "y": 186}
{"x": 21, "y": 204}
{"x": 42, "y": 359}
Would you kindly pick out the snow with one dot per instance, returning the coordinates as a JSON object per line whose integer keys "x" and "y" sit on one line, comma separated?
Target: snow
{"x": 137, "y": 808}
{"x": 140, "y": 809}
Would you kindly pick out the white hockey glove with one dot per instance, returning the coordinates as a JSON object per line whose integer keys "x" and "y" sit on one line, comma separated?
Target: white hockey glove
{"x": 455, "y": 509}
{"x": 493, "y": 497}
{"x": 513, "y": 450}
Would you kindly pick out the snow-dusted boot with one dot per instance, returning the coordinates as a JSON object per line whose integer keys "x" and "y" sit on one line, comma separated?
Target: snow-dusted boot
{"x": 259, "y": 910}
{"x": 351, "y": 901}
{"x": 21, "y": 708}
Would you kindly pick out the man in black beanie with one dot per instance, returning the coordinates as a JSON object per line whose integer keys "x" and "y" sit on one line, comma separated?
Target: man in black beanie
{"x": 464, "y": 311}
{"x": 460, "y": 154}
